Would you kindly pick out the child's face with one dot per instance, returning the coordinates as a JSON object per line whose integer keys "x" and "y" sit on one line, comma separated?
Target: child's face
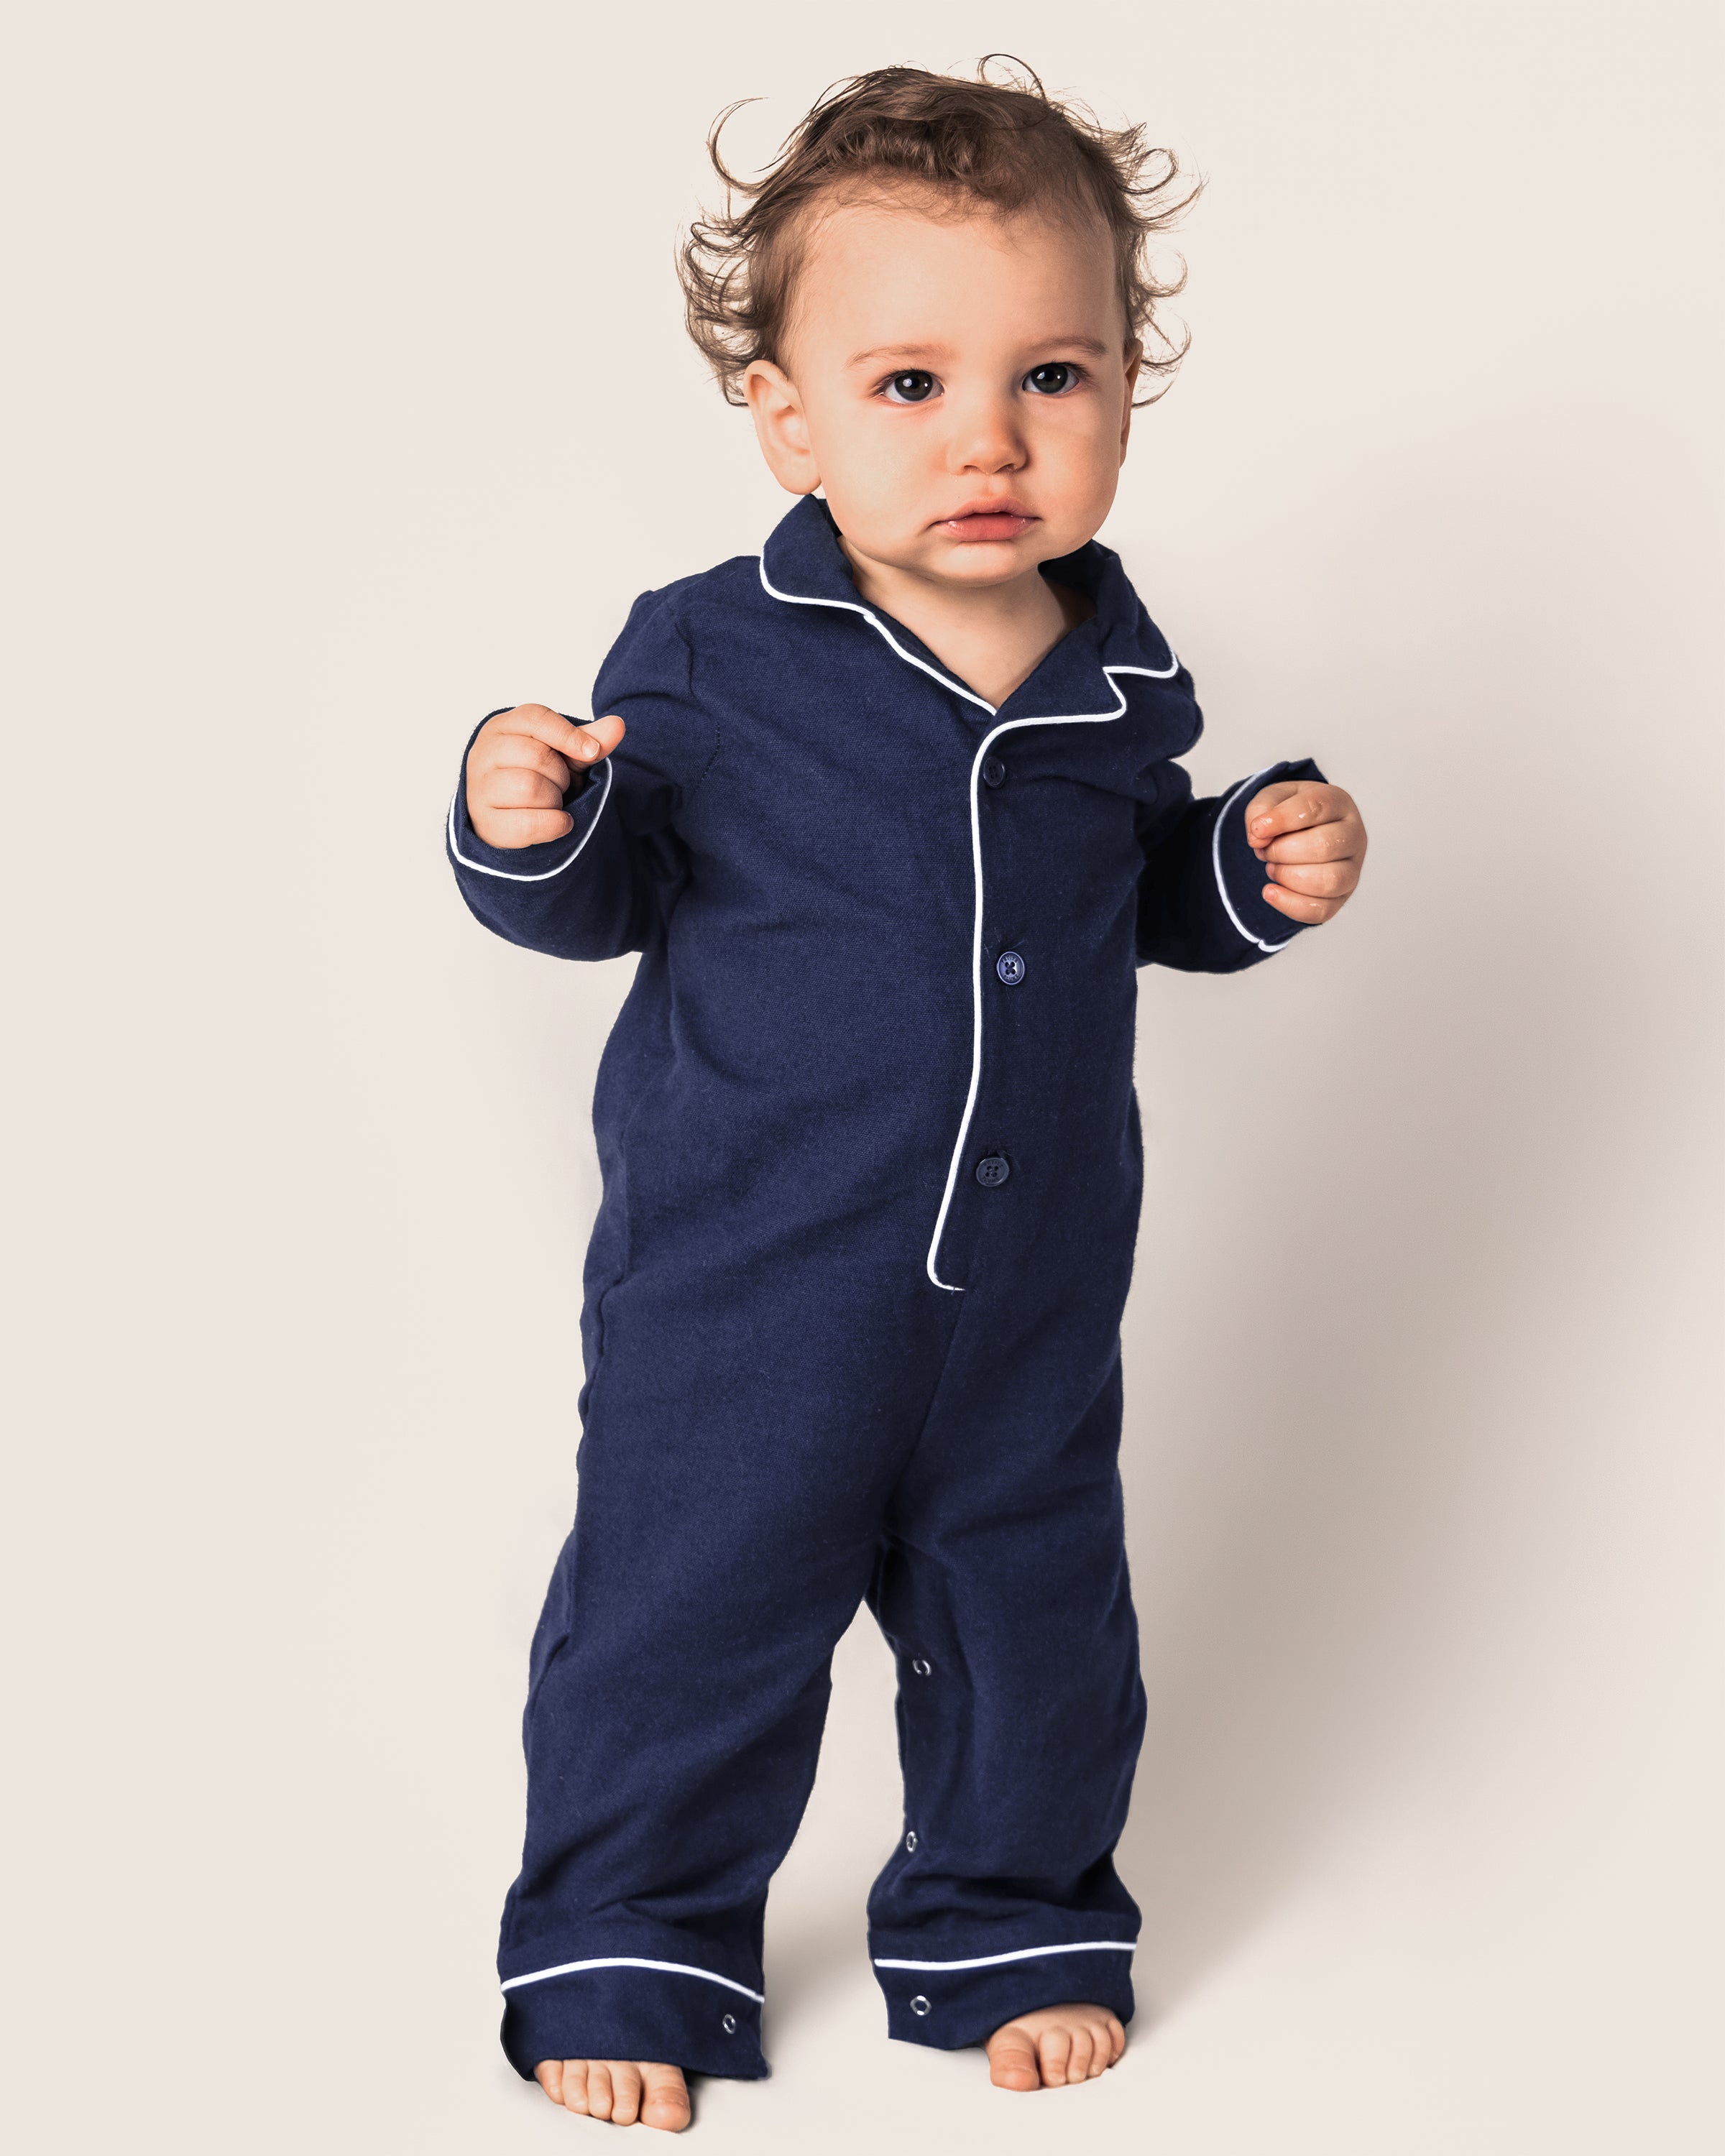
{"x": 960, "y": 385}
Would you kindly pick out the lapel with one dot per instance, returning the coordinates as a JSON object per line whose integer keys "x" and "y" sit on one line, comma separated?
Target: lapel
{"x": 803, "y": 565}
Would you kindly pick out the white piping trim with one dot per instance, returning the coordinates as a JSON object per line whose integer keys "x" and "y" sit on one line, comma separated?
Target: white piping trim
{"x": 1018, "y": 1953}
{"x": 873, "y": 620}
{"x": 1072, "y": 719}
{"x": 544, "y": 876}
{"x": 1216, "y": 863}
{"x": 633, "y": 1961}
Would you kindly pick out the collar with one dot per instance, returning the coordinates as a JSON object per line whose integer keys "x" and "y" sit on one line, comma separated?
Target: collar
{"x": 803, "y": 565}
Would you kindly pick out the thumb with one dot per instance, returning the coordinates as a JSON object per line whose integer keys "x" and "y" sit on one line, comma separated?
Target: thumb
{"x": 595, "y": 740}
{"x": 1262, "y": 824}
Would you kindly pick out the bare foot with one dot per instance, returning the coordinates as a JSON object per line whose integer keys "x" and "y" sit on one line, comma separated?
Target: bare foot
{"x": 1054, "y": 2047}
{"x": 624, "y": 2090}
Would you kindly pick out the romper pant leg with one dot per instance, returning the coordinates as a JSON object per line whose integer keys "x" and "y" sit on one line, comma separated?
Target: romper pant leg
{"x": 1002, "y": 1588}
{"x": 734, "y": 1475}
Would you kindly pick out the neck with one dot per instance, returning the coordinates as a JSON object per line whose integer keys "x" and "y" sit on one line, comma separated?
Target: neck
{"x": 993, "y": 637}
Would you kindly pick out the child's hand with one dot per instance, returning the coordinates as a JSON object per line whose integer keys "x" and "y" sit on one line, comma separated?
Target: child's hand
{"x": 1312, "y": 842}
{"x": 521, "y": 764}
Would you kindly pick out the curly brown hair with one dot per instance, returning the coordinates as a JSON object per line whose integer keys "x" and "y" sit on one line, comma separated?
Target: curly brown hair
{"x": 1006, "y": 143}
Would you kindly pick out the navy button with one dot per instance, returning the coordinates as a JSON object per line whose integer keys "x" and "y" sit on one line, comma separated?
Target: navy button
{"x": 993, "y": 771}
{"x": 992, "y": 1170}
{"x": 1010, "y": 967}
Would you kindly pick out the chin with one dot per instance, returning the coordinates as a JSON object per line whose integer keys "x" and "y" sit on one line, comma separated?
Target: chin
{"x": 982, "y": 561}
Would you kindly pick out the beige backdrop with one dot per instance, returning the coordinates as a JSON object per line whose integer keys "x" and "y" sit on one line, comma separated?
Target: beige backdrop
{"x": 348, "y": 400}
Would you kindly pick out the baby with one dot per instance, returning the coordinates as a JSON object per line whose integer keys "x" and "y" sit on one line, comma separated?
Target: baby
{"x": 891, "y": 815}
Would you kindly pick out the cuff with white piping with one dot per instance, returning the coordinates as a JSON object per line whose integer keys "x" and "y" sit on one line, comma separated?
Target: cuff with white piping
{"x": 950, "y": 2005}
{"x": 583, "y": 802}
{"x": 1240, "y": 873}
{"x": 634, "y": 2006}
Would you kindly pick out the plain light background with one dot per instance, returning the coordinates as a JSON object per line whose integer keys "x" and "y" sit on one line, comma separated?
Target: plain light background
{"x": 348, "y": 399}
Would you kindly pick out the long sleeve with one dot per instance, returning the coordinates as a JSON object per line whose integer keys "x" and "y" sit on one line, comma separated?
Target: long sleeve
{"x": 1200, "y": 904}
{"x": 598, "y": 891}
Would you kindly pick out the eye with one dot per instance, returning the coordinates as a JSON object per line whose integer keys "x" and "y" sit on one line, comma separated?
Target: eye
{"x": 913, "y": 387}
{"x": 1053, "y": 380}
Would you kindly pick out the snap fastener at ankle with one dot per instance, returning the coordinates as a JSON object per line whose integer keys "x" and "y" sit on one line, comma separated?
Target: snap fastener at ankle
{"x": 920, "y": 1666}
{"x": 910, "y": 1841}
{"x": 729, "y": 2025}
{"x": 919, "y": 2004}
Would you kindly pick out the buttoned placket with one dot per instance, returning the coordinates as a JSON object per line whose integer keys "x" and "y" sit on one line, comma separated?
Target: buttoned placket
{"x": 993, "y": 1168}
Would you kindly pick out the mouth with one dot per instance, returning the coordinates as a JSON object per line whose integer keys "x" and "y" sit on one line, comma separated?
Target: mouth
{"x": 988, "y": 520}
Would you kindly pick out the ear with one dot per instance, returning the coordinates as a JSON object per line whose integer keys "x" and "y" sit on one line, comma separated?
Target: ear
{"x": 781, "y": 427}
{"x": 1134, "y": 361}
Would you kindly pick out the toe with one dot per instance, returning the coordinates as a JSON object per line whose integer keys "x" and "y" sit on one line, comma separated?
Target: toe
{"x": 1054, "y": 2048}
{"x": 1103, "y": 2045}
{"x": 1117, "y": 2034}
{"x": 598, "y": 2088}
{"x": 575, "y": 2092}
{"x": 664, "y": 2098}
{"x": 1012, "y": 2059}
{"x": 625, "y": 2092}
{"x": 549, "y": 2074}
{"x": 1078, "y": 2058}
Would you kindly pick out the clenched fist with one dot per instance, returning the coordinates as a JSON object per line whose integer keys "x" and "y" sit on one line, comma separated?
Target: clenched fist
{"x": 1312, "y": 842}
{"x": 521, "y": 764}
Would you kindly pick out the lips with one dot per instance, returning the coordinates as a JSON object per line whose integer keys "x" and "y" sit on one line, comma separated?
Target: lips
{"x": 988, "y": 520}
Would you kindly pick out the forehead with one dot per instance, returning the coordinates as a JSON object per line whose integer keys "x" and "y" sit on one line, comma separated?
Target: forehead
{"x": 879, "y": 268}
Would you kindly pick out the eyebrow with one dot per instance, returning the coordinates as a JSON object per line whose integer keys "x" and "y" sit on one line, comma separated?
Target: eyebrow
{"x": 899, "y": 352}
{"x": 1093, "y": 345}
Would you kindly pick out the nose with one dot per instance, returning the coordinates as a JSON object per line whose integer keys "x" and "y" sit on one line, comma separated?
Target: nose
{"x": 984, "y": 435}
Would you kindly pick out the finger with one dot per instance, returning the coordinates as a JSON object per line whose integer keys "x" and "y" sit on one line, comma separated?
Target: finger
{"x": 625, "y": 2092}
{"x": 1292, "y": 806}
{"x": 575, "y": 2086}
{"x": 1346, "y": 837}
{"x": 1309, "y": 912}
{"x": 598, "y": 2088}
{"x": 580, "y": 744}
{"x": 1321, "y": 879}
{"x": 530, "y": 722}
{"x": 1054, "y": 2050}
{"x": 510, "y": 787}
{"x": 549, "y": 2074}
{"x": 507, "y": 829}
{"x": 520, "y": 752}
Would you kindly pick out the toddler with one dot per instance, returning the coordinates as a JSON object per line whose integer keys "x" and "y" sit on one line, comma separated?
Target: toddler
{"x": 891, "y": 814}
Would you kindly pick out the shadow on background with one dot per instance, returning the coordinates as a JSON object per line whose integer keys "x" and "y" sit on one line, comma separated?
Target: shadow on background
{"x": 1417, "y": 1168}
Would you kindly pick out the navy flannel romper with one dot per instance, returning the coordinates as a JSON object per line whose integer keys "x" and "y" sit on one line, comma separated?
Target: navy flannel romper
{"x": 871, "y": 1172}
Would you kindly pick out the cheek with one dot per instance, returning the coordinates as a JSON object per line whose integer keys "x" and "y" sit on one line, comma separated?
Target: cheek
{"x": 871, "y": 462}
{"x": 1080, "y": 449}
